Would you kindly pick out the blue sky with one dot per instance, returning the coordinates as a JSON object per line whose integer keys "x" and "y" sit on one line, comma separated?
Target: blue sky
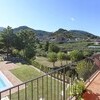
{"x": 51, "y": 15}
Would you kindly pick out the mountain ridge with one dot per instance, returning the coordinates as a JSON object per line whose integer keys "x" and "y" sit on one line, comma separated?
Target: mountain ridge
{"x": 1, "y": 29}
{"x": 59, "y": 35}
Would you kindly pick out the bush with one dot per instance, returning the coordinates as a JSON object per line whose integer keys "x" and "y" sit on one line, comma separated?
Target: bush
{"x": 61, "y": 56}
{"x": 53, "y": 48}
{"x": 15, "y": 52}
{"x": 76, "y": 55}
{"x": 21, "y": 54}
{"x": 39, "y": 66}
{"x": 87, "y": 53}
{"x": 41, "y": 53}
{"x": 52, "y": 57}
{"x": 76, "y": 89}
{"x": 84, "y": 69}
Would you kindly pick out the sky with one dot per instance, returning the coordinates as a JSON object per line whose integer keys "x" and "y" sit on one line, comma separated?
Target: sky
{"x": 50, "y": 15}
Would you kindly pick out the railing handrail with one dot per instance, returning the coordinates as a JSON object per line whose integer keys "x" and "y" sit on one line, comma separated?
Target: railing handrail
{"x": 46, "y": 74}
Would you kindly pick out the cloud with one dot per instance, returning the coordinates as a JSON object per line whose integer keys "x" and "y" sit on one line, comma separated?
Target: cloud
{"x": 72, "y": 19}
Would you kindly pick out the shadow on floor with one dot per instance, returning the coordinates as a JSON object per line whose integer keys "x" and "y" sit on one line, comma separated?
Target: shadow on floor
{"x": 89, "y": 95}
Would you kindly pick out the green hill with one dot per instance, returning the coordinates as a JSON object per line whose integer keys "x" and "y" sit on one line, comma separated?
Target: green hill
{"x": 61, "y": 35}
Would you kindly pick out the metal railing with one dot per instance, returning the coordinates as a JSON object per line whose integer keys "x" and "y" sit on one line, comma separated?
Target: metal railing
{"x": 51, "y": 86}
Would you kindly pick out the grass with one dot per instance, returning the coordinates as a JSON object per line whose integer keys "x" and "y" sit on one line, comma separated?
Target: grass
{"x": 52, "y": 86}
{"x": 25, "y": 72}
{"x": 44, "y": 61}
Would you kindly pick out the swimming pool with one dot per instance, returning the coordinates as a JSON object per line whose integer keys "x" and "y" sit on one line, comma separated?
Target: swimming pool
{"x": 4, "y": 82}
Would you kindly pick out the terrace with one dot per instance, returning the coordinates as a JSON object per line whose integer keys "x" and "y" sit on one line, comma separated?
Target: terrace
{"x": 50, "y": 86}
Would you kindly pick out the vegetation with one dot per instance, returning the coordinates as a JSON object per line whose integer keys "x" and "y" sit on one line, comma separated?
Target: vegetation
{"x": 76, "y": 55}
{"x": 76, "y": 89}
{"x": 40, "y": 66}
{"x": 45, "y": 62}
{"x": 24, "y": 43}
{"x": 26, "y": 39}
{"x": 46, "y": 46}
{"x": 78, "y": 45}
{"x": 8, "y": 39}
{"x": 21, "y": 43}
{"x": 61, "y": 56}
{"x": 84, "y": 69}
{"x": 24, "y": 73}
{"x": 53, "y": 48}
{"x": 52, "y": 57}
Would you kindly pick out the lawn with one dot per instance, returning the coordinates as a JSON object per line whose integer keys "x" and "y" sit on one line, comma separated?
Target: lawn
{"x": 25, "y": 72}
{"x": 44, "y": 61}
{"x": 51, "y": 86}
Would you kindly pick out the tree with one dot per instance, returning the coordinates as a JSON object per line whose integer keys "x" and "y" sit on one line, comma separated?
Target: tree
{"x": 46, "y": 46}
{"x": 76, "y": 55}
{"x": 52, "y": 57}
{"x": 67, "y": 57}
{"x": 61, "y": 56}
{"x": 84, "y": 68}
{"x": 87, "y": 53}
{"x": 26, "y": 41}
{"x": 8, "y": 39}
{"x": 53, "y": 48}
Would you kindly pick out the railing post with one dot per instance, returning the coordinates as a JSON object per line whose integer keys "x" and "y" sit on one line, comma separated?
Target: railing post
{"x": 0, "y": 95}
{"x": 64, "y": 84}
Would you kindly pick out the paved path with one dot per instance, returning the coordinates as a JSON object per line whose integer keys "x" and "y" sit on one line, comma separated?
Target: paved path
{"x": 5, "y": 68}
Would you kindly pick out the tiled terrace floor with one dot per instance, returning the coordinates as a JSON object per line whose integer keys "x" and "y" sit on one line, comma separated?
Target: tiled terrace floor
{"x": 93, "y": 88}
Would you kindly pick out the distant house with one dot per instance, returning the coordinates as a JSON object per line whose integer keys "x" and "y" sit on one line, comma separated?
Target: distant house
{"x": 59, "y": 39}
{"x": 96, "y": 58}
{"x": 97, "y": 42}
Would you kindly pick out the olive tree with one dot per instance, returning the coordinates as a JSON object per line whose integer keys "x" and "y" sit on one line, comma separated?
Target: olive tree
{"x": 53, "y": 48}
{"x": 52, "y": 57}
{"x": 84, "y": 68}
{"x": 76, "y": 55}
{"x": 61, "y": 56}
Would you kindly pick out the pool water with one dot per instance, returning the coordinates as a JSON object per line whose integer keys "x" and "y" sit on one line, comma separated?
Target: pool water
{"x": 4, "y": 82}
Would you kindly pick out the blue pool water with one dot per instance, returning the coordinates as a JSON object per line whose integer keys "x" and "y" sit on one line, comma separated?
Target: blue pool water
{"x": 4, "y": 82}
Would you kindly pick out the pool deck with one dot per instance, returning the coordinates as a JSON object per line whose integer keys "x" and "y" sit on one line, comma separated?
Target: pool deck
{"x": 5, "y": 68}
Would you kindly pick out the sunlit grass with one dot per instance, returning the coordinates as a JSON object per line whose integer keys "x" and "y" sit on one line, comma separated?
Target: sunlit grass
{"x": 51, "y": 87}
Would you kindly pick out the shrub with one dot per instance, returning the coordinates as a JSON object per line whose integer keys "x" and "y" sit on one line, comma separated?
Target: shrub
{"x": 39, "y": 66}
{"x": 15, "y": 52}
{"x": 76, "y": 89}
{"x": 84, "y": 69}
{"x": 61, "y": 56}
{"x": 76, "y": 55}
{"x": 52, "y": 57}
{"x": 53, "y": 48}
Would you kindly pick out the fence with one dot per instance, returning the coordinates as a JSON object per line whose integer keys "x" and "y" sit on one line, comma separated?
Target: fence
{"x": 51, "y": 86}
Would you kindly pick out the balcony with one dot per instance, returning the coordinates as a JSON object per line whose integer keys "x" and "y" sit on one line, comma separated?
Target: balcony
{"x": 55, "y": 85}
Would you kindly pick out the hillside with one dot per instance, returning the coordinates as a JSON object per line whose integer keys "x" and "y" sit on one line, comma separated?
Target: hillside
{"x": 37, "y": 32}
{"x": 1, "y": 29}
{"x": 82, "y": 34}
{"x": 73, "y": 34}
{"x": 61, "y": 35}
